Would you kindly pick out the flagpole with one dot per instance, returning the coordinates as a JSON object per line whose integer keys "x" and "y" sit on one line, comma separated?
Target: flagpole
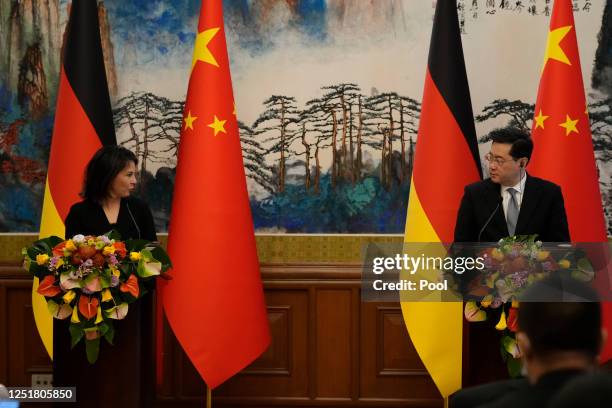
{"x": 208, "y": 397}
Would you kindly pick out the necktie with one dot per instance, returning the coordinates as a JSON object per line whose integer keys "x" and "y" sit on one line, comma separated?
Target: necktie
{"x": 513, "y": 212}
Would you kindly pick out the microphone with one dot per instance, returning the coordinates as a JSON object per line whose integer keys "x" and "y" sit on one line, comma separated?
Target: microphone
{"x": 499, "y": 201}
{"x": 133, "y": 219}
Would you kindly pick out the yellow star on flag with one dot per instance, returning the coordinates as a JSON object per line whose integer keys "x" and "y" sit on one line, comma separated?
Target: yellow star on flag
{"x": 200, "y": 49}
{"x": 553, "y": 47}
{"x": 218, "y": 125}
{"x": 540, "y": 120}
{"x": 569, "y": 125}
{"x": 189, "y": 121}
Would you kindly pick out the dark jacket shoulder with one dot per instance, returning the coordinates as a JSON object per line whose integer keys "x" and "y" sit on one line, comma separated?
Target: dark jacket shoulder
{"x": 544, "y": 185}
{"x": 486, "y": 184}
{"x": 81, "y": 206}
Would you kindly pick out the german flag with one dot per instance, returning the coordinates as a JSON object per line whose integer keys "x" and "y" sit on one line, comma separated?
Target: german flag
{"x": 83, "y": 124}
{"x": 446, "y": 159}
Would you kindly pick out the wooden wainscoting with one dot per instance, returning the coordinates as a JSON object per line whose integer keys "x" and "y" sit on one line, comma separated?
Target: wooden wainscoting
{"x": 329, "y": 349}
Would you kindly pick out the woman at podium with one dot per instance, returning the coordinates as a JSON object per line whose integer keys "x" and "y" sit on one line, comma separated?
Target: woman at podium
{"x": 123, "y": 375}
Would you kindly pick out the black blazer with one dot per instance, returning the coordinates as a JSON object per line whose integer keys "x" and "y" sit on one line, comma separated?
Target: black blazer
{"x": 542, "y": 212}
{"x": 533, "y": 396}
{"x": 485, "y": 393}
{"x": 134, "y": 220}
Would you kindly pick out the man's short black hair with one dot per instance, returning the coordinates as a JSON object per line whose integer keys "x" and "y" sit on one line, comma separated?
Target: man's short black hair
{"x": 561, "y": 326}
{"x": 102, "y": 169}
{"x": 522, "y": 145}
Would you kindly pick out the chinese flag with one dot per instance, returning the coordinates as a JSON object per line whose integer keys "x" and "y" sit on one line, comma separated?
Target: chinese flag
{"x": 83, "y": 124}
{"x": 563, "y": 151}
{"x": 446, "y": 160}
{"x": 215, "y": 303}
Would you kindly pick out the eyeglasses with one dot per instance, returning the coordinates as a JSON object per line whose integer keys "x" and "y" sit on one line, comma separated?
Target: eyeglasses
{"x": 497, "y": 160}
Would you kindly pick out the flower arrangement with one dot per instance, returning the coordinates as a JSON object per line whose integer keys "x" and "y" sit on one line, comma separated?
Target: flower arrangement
{"x": 93, "y": 280}
{"x": 510, "y": 267}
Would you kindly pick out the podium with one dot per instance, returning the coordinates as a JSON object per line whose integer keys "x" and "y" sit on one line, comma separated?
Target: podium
{"x": 123, "y": 375}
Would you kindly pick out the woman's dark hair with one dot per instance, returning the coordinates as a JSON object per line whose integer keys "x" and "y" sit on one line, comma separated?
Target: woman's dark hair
{"x": 522, "y": 145}
{"x": 102, "y": 170}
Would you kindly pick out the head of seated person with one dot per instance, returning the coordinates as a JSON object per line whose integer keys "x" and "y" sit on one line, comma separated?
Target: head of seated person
{"x": 560, "y": 335}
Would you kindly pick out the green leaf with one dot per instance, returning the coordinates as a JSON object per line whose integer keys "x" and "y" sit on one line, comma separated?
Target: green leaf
{"x": 514, "y": 366}
{"x": 146, "y": 269}
{"x": 509, "y": 346}
{"x": 53, "y": 240}
{"x": 76, "y": 334}
{"x": 105, "y": 280}
{"x": 162, "y": 256}
{"x": 92, "y": 348}
{"x": 135, "y": 245}
{"x": 32, "y": 252}
{"x": 113, "y": 234}
{"x": 103, "y": 329}
{"x": 584, "y": 271}
{"x": 585, "y": 265}
{"x": 27, "y": 263}
{"x": 110, "y": 333}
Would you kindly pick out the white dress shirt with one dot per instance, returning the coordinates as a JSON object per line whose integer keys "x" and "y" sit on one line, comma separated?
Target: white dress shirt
{"x": 520, "y": 189}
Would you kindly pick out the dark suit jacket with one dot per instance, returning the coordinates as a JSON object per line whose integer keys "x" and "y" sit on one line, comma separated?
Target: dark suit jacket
{"x": 533, "y": 396}
{"x": 485, "y": 393}
{"x": 542, "y": 212}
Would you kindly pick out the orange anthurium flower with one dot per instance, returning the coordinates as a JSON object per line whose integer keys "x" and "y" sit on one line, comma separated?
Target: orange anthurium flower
{"x": 131, "y": 286}
{"x": 88, "y": 306}
{"x": 120, "y": 249}
{"x": 48, "y": 288}
{"x": 58, "y": 250}
{"x": 512, "y": 321}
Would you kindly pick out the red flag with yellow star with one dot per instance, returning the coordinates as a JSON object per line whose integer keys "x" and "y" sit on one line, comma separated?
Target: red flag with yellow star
{"x": 215, "y": 303}
{"x": 563, "y": 148}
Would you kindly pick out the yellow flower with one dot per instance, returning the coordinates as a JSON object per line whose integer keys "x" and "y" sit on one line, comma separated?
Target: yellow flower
{"x": 99, "y": 318}
{"x": 563, "y": 264}
{"x": 42, "y": 259}
{"x": 75, "y": 316}
{"x": 106, "y": 295}
{"x": 490, "y": 281}
{"x": 59, "y": 263}
{"x": 108, "y": 250}
{"x": 135, "y": 256}
{"x": 486, "y": 301}
{"x": 70, "y": 246}
{"x": 542, "y": 255}
{"x": 115, "y": 271}
{"x": 501, "y": 325}
{"x": 69, "y": 296}
{"x": 497, "y": 254}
